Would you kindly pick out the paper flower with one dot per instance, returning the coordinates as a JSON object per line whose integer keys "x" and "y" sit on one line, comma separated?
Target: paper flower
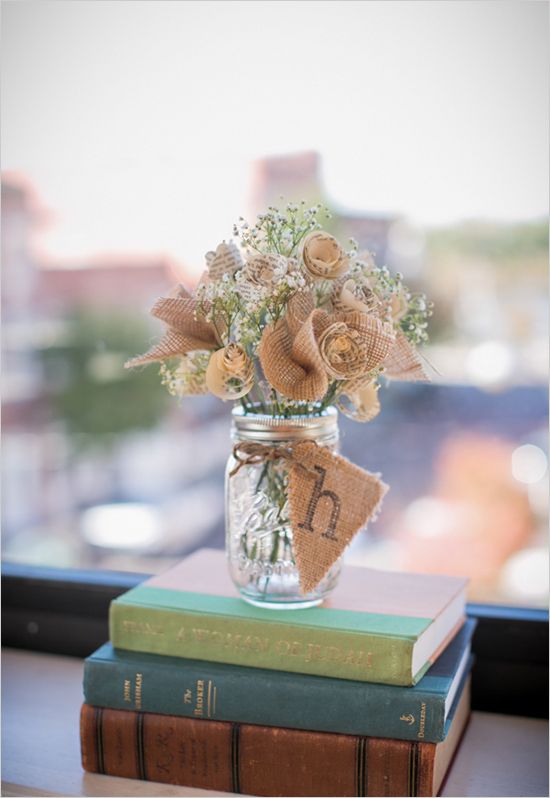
{"x": 230, "y": 373}
{"x": 343, "y": 350}
{"x": 353, "y": 295}
{"x": 363, "y": 403}
{"x": 323, "y": 256}
{"x": 398, "y": 305}
{"x": 352, "y": 344}
{"x": 264, "y": 270}
{"x": 225, "y": 260}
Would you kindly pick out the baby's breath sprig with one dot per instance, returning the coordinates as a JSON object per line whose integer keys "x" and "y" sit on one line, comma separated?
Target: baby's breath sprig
{"x": 280, "y": 230}
{"x": 415, "y": 323}
{"x": 185, "y": 377}
{"x": 322, "y": 291}
{"x": 382, "y": 281}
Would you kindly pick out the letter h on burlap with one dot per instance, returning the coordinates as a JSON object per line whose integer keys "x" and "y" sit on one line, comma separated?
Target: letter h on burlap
{"x": 330, "y": 500}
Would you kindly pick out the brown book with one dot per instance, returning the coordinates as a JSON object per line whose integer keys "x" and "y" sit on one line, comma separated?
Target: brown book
{"x": 261, "y": 760}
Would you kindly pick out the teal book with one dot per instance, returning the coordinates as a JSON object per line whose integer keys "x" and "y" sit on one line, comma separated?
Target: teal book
{"x": 117, "y": 679}
{"x": 377, "y": 626}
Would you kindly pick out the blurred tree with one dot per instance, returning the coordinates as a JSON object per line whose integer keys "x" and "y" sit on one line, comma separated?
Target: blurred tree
{"x": 502, "y": 264}
{"x": 502, "y": 243}
{"x": 89, "y": 389}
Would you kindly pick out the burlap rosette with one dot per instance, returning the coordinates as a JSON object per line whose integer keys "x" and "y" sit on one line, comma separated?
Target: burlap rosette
{"x": 185, "y": 332}
{"x": 301, "y": 351}
{"x": 403, "y": 362}
{"x": 330, "y": 500}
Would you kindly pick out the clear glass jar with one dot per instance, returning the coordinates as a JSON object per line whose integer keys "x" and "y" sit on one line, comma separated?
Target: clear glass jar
{"x": 258, "y": 531}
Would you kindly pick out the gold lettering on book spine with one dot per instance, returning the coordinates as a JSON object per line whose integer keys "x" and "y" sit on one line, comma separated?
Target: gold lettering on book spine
{"x": 313, "y": 652}
{"x": 142, "y": 628}
{"x": 139, "y": 683}
{"x": 199, "y": 701}
{"x": 228, "y": 640}
{"x": 422, "y": 724}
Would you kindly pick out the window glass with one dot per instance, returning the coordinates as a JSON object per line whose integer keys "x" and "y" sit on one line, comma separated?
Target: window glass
{"x": 116, "y": 187}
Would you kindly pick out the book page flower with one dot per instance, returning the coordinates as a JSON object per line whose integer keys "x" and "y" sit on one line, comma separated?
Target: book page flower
{"x": 323, "y": 256}
{"x": 230, "y": 372}
{"x": 264, "y": 270}
{"x": 354, "y": 295}
{"x": 343, "y": 351}
{"x": 225, "y": 260}
{"x": 398, "y": 305}
{"x": 362, "y": 400}
{"x": 352, "y": 344}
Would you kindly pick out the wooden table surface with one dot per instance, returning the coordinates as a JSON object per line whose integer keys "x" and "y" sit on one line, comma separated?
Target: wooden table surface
{"x": 500, "y": 755}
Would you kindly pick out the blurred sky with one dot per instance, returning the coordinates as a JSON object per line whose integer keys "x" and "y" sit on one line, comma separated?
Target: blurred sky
{"x": 137, "y": 121}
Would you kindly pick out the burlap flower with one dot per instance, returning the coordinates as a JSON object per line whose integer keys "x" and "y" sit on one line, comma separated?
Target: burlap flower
{"x": 363, "y": 403}
{"x": 403, "y": 362}
{"x": 299, "y": 352}
{"x": 230, "y": 372}
{"x": 289, "y": 354}
{"x": 323, "y": 256}
{"x": 186, "y": 332}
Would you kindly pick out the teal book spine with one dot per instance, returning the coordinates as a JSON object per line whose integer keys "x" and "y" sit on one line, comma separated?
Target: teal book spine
{"x": 199, "y": 689}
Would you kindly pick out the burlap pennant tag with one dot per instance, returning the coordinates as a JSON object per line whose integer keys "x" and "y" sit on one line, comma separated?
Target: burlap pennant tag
{"x": 330, "y": 500}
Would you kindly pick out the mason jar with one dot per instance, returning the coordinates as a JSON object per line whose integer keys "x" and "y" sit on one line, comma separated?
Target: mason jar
{"x": 259, "y": 537}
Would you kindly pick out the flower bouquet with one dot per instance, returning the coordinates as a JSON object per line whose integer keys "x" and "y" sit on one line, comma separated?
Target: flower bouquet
{"x": 292, "y": 328}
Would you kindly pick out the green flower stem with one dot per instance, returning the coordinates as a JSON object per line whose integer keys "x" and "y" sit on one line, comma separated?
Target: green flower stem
{"x": 273, "y": 480}
{"x": 330, "y": 395}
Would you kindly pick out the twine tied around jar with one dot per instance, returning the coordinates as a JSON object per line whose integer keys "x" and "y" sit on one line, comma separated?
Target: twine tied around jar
{"x": 256, "y": 453}
{"x": 330, "y": 499}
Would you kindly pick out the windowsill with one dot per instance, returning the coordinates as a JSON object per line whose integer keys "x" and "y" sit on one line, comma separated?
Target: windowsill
{"x": 500, "y": 755}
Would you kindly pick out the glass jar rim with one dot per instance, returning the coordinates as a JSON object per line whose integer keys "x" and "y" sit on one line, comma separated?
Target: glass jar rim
{"x": 262, "y": 426}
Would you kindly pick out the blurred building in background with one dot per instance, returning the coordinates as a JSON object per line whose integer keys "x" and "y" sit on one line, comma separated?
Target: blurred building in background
{"x": 100, "y": 467}
{"x": 298, "y": 176}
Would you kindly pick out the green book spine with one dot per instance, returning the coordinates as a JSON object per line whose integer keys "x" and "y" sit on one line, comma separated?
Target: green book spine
{"x": 322, "y": 645}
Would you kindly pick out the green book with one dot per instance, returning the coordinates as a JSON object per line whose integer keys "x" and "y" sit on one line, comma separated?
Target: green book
{"x": 377, "y": 626}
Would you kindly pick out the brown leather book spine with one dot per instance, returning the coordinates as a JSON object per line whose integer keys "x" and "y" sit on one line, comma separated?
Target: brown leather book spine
{"x": 426, "y": 771}
{"x": 159, "y": 748}
{"x": 252, "y": 760}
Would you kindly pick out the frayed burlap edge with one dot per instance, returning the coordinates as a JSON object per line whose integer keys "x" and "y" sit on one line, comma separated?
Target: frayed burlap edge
{"x": 403, "y": 362}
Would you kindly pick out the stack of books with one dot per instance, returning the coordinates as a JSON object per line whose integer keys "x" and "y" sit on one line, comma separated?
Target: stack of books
{"x": 367, "y": 694}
